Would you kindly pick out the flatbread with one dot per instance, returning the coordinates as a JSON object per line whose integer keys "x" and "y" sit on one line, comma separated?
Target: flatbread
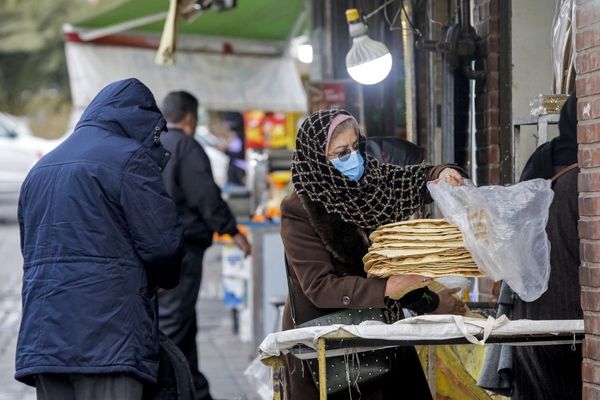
{"x": 424, "y": 247}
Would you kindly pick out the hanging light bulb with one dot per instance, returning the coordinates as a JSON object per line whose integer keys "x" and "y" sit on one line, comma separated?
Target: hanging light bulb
{"x": 305, "y": 53}
{"x": 368, "y": 61}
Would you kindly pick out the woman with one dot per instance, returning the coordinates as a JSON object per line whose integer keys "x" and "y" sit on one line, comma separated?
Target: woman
{"x": 340, "y": 195}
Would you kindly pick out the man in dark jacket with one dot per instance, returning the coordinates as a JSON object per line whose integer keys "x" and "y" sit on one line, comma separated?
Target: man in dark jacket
{"x": 189, "y": 181}
{"x": 99, "y": 235}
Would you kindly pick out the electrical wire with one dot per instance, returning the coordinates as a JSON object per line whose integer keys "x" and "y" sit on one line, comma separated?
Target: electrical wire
{"x": 416, "y": 30}
{"x": 381, "y": 7}
{"x": 391, "y": 23}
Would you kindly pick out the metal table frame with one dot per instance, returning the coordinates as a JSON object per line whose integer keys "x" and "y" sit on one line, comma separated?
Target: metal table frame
{"x": 341, "y": 342}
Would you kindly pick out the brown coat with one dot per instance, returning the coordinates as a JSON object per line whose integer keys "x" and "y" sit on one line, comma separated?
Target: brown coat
{"x": 326, "y": 270}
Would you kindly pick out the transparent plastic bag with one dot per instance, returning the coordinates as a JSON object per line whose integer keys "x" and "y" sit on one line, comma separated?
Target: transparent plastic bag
{"x": 504, "y": 228}
{"x": 261, "y": 378}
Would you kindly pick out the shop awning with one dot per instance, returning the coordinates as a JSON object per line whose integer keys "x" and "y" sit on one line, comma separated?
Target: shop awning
{"x": 231, "y": 60}
{"x": 261, "y": 20}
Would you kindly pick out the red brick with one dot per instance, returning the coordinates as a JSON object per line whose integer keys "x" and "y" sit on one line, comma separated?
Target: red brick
{"x": 589, "y": 84}
{"x": 588, "y": 229}
{"x": 488, "y": 174}
{"x": 589, "y": 250}
{"x": 589, "y": 205}
{"x": 589, "y": 155}
{"x": 588, "y": 132}
{"x": 492, "y": 62}
{"x": 492, "y": 82}
{"x": 494, "y": 7}
{"x": 493, "y": 118}
{"x": 589, "y": 180}
{"x": 591, "y": 323}
{"x": 587, "y": 14}
{"x": 488, "y": 155}
{"x": 589, "y": 275}
{"x": 492, "y": 99}
{"x": 493, "y": 43}
{"x": 591, "y": 392}
{"x": 587, "y": 61}
{"x": 494, "y": 26}
{"x": 588, "y": 108}
{"x": 587, "y": 371}
{"x": 590, "y": 371}
{"x": 586, "y": 38}
{"x": 591, "y": 347}
{"x": 488, "y": 137}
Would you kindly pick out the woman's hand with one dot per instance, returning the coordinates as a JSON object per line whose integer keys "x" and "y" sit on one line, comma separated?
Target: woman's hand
{"x": 398, "y": 285}
{"x": 451, "y": 177}
{"x": 449, "y": 304}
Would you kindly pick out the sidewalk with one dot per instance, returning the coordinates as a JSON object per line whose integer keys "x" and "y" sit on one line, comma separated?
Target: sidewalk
{"x": 223, "y": 357}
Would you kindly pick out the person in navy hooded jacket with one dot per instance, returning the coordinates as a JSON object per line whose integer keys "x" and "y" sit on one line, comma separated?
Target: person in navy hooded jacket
{"x": 99, "y": 236}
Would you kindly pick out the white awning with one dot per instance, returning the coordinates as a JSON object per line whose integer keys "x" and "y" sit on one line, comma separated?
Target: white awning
{"x": 228, "y": 82}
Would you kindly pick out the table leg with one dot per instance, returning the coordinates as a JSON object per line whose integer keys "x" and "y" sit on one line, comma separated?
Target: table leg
{"x": 277, "y": 366}
{"x": 322, "y": 369}
{"x": 431, "y": 372}
{"x": 277, "y": 383}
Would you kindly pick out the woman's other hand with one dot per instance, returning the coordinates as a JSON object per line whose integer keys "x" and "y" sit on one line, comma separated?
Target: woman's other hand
{"x": 398, "y": 285}
{"x": 451, "y": 177}
{"x": 449, "y": 304}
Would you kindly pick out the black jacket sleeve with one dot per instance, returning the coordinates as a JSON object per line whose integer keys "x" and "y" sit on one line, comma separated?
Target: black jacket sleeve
{"x": 200, "y": 190}
{"x": 152, "y": 220}
{"x": 421, "y": 301}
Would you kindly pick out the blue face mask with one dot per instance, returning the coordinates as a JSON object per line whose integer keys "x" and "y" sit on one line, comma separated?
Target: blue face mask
{"x": 353, "y": 167}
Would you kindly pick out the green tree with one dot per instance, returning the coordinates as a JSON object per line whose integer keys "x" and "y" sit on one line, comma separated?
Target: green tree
{"x": 33, "y": 72}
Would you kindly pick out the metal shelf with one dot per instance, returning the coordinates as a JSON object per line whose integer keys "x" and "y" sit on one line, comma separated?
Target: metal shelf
{"x": 542, "y": 122}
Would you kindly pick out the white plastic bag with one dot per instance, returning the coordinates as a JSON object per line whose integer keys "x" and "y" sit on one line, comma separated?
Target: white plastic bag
{"x": 504, "y": 228}
{"x": 261, "y": 378}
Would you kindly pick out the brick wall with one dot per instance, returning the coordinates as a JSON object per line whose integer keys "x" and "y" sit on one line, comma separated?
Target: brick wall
{"x": 487, "y": 109}
{"x": 487, "y": 118}
{"x": 587, "y": 44}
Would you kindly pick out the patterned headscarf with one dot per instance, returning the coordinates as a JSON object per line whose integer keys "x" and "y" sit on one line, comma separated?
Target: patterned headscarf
{"x": 386, "y": 193}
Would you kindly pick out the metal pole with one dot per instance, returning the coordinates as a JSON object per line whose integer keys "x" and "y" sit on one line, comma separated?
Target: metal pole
{"x": 447, "y": 114}
{"x": 431, "y": 123}
{"x": 410, "y": 87}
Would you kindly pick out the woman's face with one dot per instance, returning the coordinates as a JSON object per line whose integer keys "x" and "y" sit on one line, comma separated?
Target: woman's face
{"x": 342, "y": 144}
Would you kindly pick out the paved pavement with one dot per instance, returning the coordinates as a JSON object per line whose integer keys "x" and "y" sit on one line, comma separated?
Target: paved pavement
{"x": 223, "y": 357}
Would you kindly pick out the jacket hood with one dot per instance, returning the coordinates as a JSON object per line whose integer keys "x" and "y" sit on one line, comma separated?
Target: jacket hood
{"x": 126, "y": 108}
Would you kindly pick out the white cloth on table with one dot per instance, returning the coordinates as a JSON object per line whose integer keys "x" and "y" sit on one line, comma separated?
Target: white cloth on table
{"x": 430, "y": 327}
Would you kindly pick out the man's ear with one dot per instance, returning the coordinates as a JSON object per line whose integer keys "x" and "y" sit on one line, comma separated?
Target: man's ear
{"x": 189, "y": 122}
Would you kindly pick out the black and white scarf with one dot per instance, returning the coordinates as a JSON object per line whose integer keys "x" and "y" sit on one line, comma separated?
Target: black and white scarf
{"x": 385, "y": 194}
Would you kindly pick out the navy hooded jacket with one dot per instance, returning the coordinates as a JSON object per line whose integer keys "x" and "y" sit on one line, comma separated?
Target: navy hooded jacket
{"x": 98, "y": 235}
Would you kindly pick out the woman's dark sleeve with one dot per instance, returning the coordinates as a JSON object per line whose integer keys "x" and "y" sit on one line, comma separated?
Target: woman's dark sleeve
{"x": 421, "y": 301}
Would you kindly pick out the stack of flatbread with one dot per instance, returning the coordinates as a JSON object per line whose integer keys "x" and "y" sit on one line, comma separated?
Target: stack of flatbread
{"x": 429, "y": 247}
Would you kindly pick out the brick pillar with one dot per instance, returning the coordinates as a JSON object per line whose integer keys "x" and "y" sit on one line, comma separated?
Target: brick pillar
{"x": 587, "y": 65}
{"x": 487, "y": 118}
{"x": 487, "y": 109}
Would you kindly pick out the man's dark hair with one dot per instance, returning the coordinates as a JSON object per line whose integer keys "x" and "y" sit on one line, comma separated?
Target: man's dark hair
{"x": 177, "y": 105}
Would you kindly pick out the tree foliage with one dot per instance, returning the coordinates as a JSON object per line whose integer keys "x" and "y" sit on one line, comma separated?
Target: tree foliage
{"x": 32, "y": 59}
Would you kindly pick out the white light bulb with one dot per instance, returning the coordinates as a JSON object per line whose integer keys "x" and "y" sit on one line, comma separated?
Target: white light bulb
{"x": 305, "y": 53}
{"x": 368, "y": 61}
{"x": 371, "y": 72}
